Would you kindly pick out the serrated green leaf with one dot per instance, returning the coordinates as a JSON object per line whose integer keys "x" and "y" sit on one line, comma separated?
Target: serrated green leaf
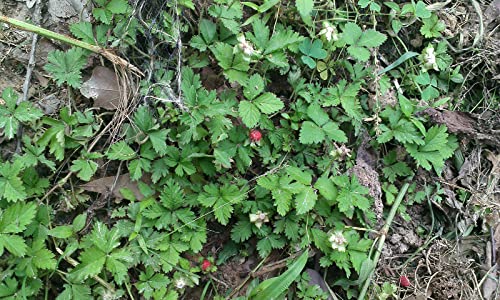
{"x": 61, "y": 232}
{"x": 317, "y": 114}
{"x": 121, "y": 151}
{"x": 282, "y": 40}
{"x": 26, "y": 112}
{"x": 432, "y": 27}
{"x": 249, "y": 113}
{"x": 311, "y": 133}
{"x": 254, "y": 86}
{"x": 92, "y": 262}
{"x": 305, "y": 200}
{"x": 14, "y": 244}
{"x": 84, "y": 168}
{"x": 17, "y": 217}
{"x": 241, "y": 231}
{"x": 421, "y": 10}
{"x": 66, "y": 67}
{"x": 208, "y": 30}
{"x": 83, "y": 31}
{"x": 351, "y": 34}
{"x": 371, "y": 39}
{"x": 360, "y": 53}
{"x": 268, "y": 103}
{"x": 304, "y": 7}
{"x": 117, "y": 6}
{"x": 158, "y": 139}
{"x": 333, "y": 132}
{"x": 326, "y": 188}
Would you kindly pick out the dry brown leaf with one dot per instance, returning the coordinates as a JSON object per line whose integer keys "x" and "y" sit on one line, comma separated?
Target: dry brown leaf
{"x": 103, "y": 87}
{"x": 104, "y": 185}
{"x": 466, "y": 123}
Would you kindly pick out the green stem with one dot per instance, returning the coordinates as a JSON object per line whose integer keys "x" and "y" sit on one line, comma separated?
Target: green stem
{"x": 49, "y": 34}
{"x": 383, "y": 235}
{"x": 69, "y": 40}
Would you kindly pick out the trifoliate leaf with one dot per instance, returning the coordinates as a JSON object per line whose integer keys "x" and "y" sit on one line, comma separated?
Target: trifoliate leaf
{"x": 84, "y": 168}
{"x": 432, "y": 27}
{"x": 436, "y": 149}
{"x": 351, "y": 34}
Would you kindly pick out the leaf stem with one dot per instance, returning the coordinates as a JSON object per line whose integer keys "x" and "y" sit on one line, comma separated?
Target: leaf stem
{"x": 71, "y": 41}
{"x": 383, "y": 235}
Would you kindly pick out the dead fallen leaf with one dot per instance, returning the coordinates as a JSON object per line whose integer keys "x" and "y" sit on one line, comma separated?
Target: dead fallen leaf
{"x": 103, "y": 87}
{"x": 467, "y": 124}
{"x": 104, "y": 185}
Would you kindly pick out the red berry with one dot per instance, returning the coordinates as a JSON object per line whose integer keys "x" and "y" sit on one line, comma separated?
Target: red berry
{"x": 404, "y": 281}
{"x": 255, "y": 135}
{"x": 205, "y": 265}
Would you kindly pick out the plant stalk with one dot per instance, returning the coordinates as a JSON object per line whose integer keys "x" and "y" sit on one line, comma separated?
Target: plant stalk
{"x": 383, "y": 235}
{"x": 71, "y": 41}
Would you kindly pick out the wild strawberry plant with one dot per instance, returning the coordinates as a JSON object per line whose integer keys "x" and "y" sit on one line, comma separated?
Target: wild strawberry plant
{"x": 266, "y": 157}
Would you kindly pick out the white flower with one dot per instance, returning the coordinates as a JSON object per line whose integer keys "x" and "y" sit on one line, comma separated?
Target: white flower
{"x": 429, "y": 59}
{"x": 329, "y": 32}
{"x": 245, "y": 46}
{"x": 259, "y": 218}
{"x": 180, "y": 283}
{"x": 338, "y": 241}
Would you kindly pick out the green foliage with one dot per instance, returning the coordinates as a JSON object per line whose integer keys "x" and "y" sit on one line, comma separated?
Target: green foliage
{"x": 257, "y": 102}
{"x": 374, "y": 6}
{"x": 273, "y": 287}
{"x": 432, "y": 27}
{"x": 321, "y": 128}
{"x": 359, "y": 42}
{"x": 66, "y": 67}
{"x": 128, "y": 211}
{"x": 312, "y": 50}
{"x": 107, "y": 8}
{"x": 12, "y": 115}
{"x": 305, "y": 8}
{"x": 437, "y": 147}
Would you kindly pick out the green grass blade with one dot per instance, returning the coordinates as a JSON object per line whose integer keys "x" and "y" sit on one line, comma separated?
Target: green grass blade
{"x": 271, "y": 288}
{"x": 399, "y": 61}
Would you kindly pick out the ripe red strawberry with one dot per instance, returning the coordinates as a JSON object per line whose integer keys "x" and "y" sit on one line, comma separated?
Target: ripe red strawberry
{"x": 255, "y": 135}
{"x": 404, "y": 281}
{"x": 205, "y": 265}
